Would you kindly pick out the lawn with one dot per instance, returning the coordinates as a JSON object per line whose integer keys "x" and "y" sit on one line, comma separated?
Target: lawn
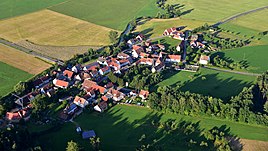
{"x": 121, "y": 127}
{"x": 9, "y": 77}
{"x": 11, "y": 8}
{"x": 109, "y": 13}
{"x": 51, "y": 28}
{"x": 156, "y": 27}
{"x": 216, "y": 10}
{"x": 208, "y": 82}
{"x": 256, "y": 57}
{"x": 21, "y": 60}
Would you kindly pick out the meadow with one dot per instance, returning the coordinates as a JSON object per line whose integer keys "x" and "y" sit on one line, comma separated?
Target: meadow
{"x": 156, "y": 27}
{"x": 214, "y": 11}
{"x": 112, "y": 14}
{"x": 9, "y": 77}
{"x": 255, "y": 56}
{"x": 53, "y": 29}
{"x": 122, "y": 126}
{"x": 11, "y": 8}
{"x": 208, "y": 82}
{"x": 21, "y": 60}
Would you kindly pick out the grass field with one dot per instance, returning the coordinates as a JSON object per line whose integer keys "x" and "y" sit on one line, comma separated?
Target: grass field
{"x": 9, "y": 77}
{"x": 256, "y": 57}
{"x": 11, "y": 8}
{"x": 217, "y": 10}
{"x": 53, "y": 29}
{"x": 217, "y": 84}
{"x": 121, "y": 127}
{"x": 113, "y": 13}
{"x": 156, "y": 27}
{"x": 22, "y": 60}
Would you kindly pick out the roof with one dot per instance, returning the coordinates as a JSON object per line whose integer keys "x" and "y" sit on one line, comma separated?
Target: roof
{"x": 13, "y": 116}
{"x": 123, "y": 55}
{"x": 88, "y": 83}
{"x": 79, "y": 100}
{"x": 88, "y": 134}
{"x": 104, "y": 98}
{"x": 204, "y": 57}
{"x": 137, "y": 48}
{"x": 61, "y": 83}
{"x": 142, "y": 54}
{"x": 105, "y": 69}
{"x": 144, "y": 93}
{"x": 68, "y": 73}
{"x": 174, "y": 57}
{"x": 114, "y": 92}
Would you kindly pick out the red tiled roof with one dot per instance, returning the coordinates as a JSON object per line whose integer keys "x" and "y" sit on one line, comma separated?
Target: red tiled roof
{"x": 88, "y": 83}
{"x": 144, "y": 93}
{"x": 203, "y": 57}
{"x": 68, "y": 73}
{"x": 104, "y": 98}
{"x": 138, "y": 49}
{"x": 61, "y": 83}
{"x": 106, "y": 68}
{"x": 175, "y": 57}
{"x": 13, "y": 116}
{"x": 79, "y": 100}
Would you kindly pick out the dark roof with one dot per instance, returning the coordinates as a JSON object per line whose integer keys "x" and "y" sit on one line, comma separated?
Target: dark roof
{"x": 88, "y": 134}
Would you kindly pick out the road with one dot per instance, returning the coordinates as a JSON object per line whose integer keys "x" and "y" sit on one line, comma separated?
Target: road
{"x": 239, "y": 15}
{"x": 41, "y": 56}
{"x": 232, "y": 71}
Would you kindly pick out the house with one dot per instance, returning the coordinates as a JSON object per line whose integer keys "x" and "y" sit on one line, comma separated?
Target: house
{"x": 101, "y": 60}
{"x": 131, "y": 42}
{"x": 104, "y": 98}
{"x": 61, "y": 83}
{"x": 178, "y": 35}
{"x": 88, "y": 134}
{"x": 91, "y": 92}
{"x": 140, "y": 38}
{"x": 109, "y": 85}
{"x": 70, "y": 109}
{"x": 94, "y": 74}
{"x": 124, "y": 62}
{"x": 77, "y": 68}
{"x": 68, "y": 74}
{"x": 144, "y": 94}
{"x": 122, "y": 55}
{"x": 104, "y": 70}
{"x": 178, "y": 48}
{"x": 196, "y": 44}
{"x": 148, "y": 61}
{"x": 144, "y": 55}
{"x": 173, "y": 58}
{"x": 80, "y": 102}
{"x": 136, "y": 50}
{"x": 204, "y": 59}
{"x": 18, "y": 115}
{"x": 41, "y": 81}
{"x": 88, "y": 83}
{"x": 169, "y": 32}
{"x": 161, "y": 47}
{"x": 115, "y": 65}
{"x": 101, "y": 107}
{"x": 116, "y": 95}
{"x": 158, "y": 68}
{"x": 91, "y": 66}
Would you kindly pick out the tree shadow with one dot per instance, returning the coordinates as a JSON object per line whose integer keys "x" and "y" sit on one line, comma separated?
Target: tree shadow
{"x": 146, "y": 32}
{"x": 187, "y": 12}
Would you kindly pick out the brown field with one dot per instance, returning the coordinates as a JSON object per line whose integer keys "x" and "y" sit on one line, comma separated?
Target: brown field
{"x": 254, "y": 145}
{"x": 51, "y": 28}
{"x": 22, "y": 60}
{"x": 156, "y": 27}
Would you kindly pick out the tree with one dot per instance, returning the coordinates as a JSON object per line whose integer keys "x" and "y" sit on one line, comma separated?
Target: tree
{"x": 72, "y": 146}
{"x": 113, "y": 35}
{"x": 95, "y": 143}
{"x": 265, "y": 107}
{"x": 2, "y": 110}
{"x": 20, "y": 87}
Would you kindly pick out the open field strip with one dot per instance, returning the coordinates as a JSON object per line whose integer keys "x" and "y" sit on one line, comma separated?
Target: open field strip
{"x": 51, "y": 28}
{"x": 128, "y": 123}
{"x": 10, "y": 76}
{"x": 21, "y": 60}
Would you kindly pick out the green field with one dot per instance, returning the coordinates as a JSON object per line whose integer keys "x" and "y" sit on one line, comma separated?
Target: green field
{"x": 214, "y": 83}
{"x": 110, "y": 13}
{"x": 217, "y": 10}
{"x": 9, "y": 77}
{"x": 121, "y": 127}
{"x": 256, "y": 57}
{"x": 11, "y": 8}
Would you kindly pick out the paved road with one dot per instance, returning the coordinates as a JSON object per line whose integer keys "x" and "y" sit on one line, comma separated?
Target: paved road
{"x": 232, "y": 71}
{"x": 239, "y": 15}
{"x": 10, "y": 44}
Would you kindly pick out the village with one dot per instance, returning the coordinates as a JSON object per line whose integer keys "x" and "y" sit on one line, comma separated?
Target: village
{"x": 97, "y": 92}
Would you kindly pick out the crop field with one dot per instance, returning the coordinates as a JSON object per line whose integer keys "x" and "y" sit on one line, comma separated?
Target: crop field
{"x": 11, "y": 8}
{"x": 21, "y": 60}
{"x": 208, "y": 82}
{"x": 216, "y": 10}
{"x": 9, "y": 77}
{"x": 250, "y": 145}
{"x": 53, "y": 29}
{"x": 156, "y": 27}
{"x": 255, "y": 56}
{"x": 121, "y": 127}
{"x": 109, "y": 13}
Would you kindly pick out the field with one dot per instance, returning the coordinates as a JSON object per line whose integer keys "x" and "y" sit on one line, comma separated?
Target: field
{"x": 250, "y": 145}
{"x": 218, "y": 9}
{"x": 256, "y": 57}
{"x": 121, "y": 127}
{"x": 22, "y": 60}
{"x": 156, "y": 27}
{"x": 53, "y": 29}
{"x": 11, "y": 8}
{"x": 208, "y": 82}
{"x": 113, "y": 13}
{"x": 9, "y": 77}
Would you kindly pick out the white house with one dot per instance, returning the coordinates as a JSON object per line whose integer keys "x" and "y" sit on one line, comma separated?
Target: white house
{"x": 80, "y": 102}
{"x": 204, "y": 59}
{"x": 104, "y": 70}
{"x": 173, "y": 58}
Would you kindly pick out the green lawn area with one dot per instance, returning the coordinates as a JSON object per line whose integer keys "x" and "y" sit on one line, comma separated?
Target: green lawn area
{"x": 256, "y": 57}
{"x": 216, "y": 10}
{"x": 11, "y": 8}
{"x": 121, "y": 127}
{"x": 110, "y": 13}
{"x": 9, "y": 77}
{"x": 214, "y": 83}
